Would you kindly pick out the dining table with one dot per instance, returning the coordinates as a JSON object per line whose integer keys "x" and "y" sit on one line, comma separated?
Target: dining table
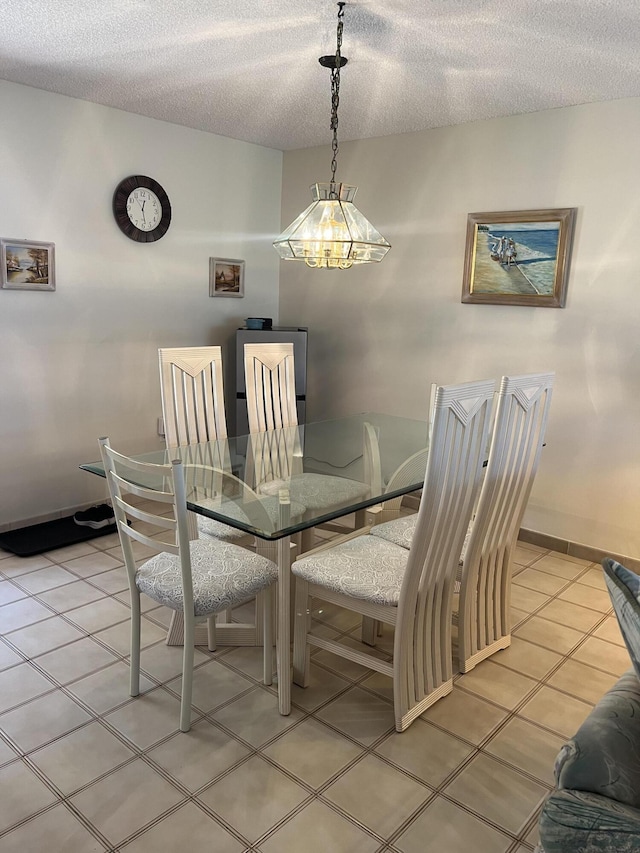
{"x": 252, "y": 483}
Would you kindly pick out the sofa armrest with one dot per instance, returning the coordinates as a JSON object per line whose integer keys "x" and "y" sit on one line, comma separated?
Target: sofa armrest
{"x": 603, "y": 757}
{"x": 581, "y": 822}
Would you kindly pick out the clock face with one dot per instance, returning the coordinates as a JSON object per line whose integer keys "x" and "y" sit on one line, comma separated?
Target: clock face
{"x": 142, "y": 209}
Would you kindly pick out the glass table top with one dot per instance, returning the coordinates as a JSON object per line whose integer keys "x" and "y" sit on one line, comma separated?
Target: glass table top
{"x": 279, "y": 482}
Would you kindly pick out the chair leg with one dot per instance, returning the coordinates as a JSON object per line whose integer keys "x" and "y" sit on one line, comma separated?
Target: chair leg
{"x": 187, "y": 673}
{"x": 369, "y": 630}
{"x": 307, "y": 540}
{"x": 211, "y": 633}
{"x": 469, "y": 663}
{"x": 267, "y": 636}
{"x": 292, "y": 614}
{"x": 258, "y": 619}
{"x": 302, "y": 624}
{"x": 134, "y": 668}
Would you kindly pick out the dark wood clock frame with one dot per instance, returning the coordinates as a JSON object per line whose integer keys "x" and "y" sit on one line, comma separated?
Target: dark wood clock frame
{"x": 120, "y": 198}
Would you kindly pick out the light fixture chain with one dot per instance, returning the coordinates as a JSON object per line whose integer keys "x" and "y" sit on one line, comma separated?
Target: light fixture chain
{"x": 332, "y": 234}
{"x": 335, "y": 93}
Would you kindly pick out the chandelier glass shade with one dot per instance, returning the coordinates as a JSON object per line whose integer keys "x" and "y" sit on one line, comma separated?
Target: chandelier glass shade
{"x": 332, "y": 233}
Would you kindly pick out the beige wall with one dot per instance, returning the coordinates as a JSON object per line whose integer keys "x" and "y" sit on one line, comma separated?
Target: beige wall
{"x": 380, "y": 335}
{"x": 82, "y": 362}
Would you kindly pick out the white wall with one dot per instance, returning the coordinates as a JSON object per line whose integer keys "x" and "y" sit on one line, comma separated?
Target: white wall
{"x": 82, "y": 362}
{"x": 380, "y": 335}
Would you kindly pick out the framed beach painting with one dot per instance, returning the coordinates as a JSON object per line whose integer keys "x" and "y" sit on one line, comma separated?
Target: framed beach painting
{"x": 27, "y": 265}
{"x": 226, "y": 277}
{"x": 518, "y": 257}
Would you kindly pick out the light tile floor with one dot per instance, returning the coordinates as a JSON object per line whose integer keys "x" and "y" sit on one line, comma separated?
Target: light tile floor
{"x": 86, "y": 769}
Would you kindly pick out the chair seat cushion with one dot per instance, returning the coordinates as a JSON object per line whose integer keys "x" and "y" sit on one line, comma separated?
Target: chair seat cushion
{"x": 223, "y": 575}
{"x": 270, "y": 506}
{"x": 399, "y": 531}
{"x": 368, "y": 568}
{"x": 318, "y": 491}
{"x": 212, "y": 529}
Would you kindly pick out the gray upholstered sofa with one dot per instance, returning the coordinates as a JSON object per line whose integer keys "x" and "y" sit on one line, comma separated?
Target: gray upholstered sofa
{"x": 596, "y": 806}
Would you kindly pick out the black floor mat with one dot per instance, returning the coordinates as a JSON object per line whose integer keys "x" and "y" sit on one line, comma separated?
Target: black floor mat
{"x": 48, "y": 536}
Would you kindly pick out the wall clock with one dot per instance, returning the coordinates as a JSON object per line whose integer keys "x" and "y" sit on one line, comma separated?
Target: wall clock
{"x": 142, "y": 209}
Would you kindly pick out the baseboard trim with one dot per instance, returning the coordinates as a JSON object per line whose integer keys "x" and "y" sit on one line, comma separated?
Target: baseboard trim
{"x": 575, "y": 549}
{"x": 554, "y": 543}
{"x": 48, "y": 516}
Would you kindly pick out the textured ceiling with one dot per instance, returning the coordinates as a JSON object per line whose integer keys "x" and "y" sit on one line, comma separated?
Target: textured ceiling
{"x": 249, "y": 69}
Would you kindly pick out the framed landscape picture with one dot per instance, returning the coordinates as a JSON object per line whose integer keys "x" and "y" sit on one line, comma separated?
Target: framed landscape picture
{"x": 518, "y": 257}
{"x": 226, "y": 277}
{"x": 27, "y": 265}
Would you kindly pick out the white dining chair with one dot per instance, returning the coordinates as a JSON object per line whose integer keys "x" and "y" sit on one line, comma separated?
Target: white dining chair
{"x": 198, "y": 578}
{"x": 485, "y": 567}
{"x": 409, "y": 589}
{"x": 278, "y": 457}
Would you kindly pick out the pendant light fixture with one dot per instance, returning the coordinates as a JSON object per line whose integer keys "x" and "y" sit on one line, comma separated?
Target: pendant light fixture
{"x": 332, "y": 233}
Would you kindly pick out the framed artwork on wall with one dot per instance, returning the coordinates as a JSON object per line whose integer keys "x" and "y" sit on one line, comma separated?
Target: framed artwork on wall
{"x": 27, "y": 265}
{"x": 226, "y": 277}
{"x": 518, "y": 257}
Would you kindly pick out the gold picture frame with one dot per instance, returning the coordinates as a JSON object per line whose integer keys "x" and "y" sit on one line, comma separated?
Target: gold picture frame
{"x": 226, "y": 277}
{"x": 518, "y": 257}
{"x": 27, "y": 265}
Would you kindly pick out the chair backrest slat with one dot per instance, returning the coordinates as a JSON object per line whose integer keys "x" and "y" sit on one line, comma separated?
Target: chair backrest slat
{"x": 146, "y": 492}
{"x": 125, "y": 529}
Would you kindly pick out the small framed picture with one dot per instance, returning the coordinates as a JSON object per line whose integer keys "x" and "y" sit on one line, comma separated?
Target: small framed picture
{"x": 27, "y": 265}
{"x": 518, "y": 257}
{"x": 226, "y": 277}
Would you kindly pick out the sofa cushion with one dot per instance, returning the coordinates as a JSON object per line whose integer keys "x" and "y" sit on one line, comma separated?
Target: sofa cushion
{"x": 578, "y": 822}
{"x": 603, "y": 756}
{"x": 624, "y": 589}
